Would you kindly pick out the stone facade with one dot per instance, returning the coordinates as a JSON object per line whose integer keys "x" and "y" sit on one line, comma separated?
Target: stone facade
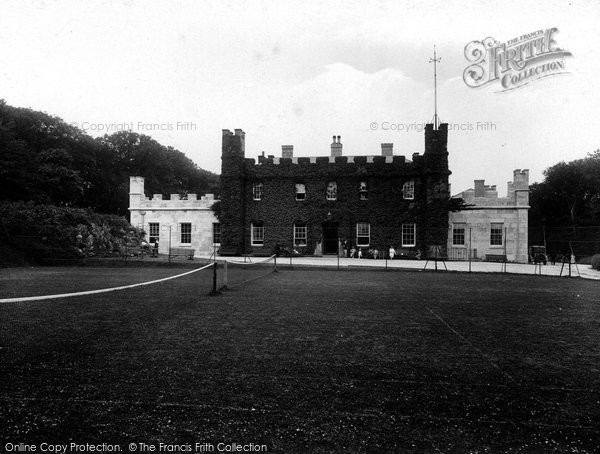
{"x": 506, "y": 216}
{"x": 311, "y": 203}
{"x": 180, "y": 223}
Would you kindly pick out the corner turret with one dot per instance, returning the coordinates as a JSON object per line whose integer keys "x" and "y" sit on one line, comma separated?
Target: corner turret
{"x": 233, "y": 192}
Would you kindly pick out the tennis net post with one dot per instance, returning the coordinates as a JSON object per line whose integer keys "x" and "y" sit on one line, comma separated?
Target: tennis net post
{"x": 214, "y": 290}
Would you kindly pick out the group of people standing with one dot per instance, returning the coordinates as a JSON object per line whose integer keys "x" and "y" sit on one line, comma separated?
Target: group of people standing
{"x": 348, "y": 250}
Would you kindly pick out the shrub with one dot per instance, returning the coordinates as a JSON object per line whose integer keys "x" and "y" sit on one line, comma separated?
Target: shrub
{"x": 41, "y": 232}
{"x": 596, "y": 262}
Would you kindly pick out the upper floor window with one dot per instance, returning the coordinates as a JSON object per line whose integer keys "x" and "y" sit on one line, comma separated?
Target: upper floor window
{"x": 362, "y": 190}
{"x": 300, "y": 191}
{"x": 496, "y": 234}
{"x": 408, "y": 190}
{"x": 257, "y": 191}
{"x": 332, "y": 190}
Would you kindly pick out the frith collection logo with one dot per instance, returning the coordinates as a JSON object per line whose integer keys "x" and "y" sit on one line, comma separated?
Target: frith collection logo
{"x": 514, "y": 63}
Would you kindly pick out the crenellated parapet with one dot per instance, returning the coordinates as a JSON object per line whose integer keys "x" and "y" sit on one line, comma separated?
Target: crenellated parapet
{"x": 276, "y": 193}
{"x": 138, "y": 200}
{"x": 340, "y": 166}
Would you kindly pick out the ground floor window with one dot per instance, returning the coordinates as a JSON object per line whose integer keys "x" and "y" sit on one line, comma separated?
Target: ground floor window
{"x": 216, "y": 233}
{"x": 153, "y": 232}
{"x": 409, "y": 235}
{"x": 363, "y": 234}
{"x": 257, "y": 234}
{"x": 186, "y": 232}
{"x": 300, "y": 234}
{"x": 458, "y": 234}
{"x": 496, "y": 234}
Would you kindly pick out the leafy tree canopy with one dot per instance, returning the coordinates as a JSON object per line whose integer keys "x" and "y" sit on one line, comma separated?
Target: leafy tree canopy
{"x": 46, "y": 160}
{"x": 569, "y": 194}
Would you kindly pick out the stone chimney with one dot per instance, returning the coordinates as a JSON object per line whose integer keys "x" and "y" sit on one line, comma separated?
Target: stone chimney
{"x": 387, "y": 149}
{"x": 479, "y": 188}
{"x": 287, "y": 151}
{"x": 336, "y": 146}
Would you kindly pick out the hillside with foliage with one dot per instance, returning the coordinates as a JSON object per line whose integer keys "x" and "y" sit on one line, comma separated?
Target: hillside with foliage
{"x": 565, "y": 207}
{"x": 47, "y": 234}
{"x": 55, "y": 180}
{"x": 48, "y": 161}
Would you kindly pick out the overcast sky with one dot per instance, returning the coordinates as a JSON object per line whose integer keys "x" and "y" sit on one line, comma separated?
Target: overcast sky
{"x": 299, "y": 72}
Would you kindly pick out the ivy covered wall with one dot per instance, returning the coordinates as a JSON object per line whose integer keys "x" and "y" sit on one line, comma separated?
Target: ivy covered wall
{"x": 384, "y": 209}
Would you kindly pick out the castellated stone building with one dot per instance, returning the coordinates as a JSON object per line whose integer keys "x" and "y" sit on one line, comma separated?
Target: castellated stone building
{"x": 175, "y": 223}
{"x": 312, "y": 204}
{"x": 315, "y": 204}
{"x": 492, "y": 225}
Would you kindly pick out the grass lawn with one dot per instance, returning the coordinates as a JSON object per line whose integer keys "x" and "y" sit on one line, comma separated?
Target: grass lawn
{"x": 305, "y": 360}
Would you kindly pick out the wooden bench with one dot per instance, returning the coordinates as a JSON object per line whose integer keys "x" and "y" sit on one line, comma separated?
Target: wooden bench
{"x": 228, "y": 251}
{"x": 404, "y": 253}
{"x": 181, "y": 252}
{"x": 495, "y": 258}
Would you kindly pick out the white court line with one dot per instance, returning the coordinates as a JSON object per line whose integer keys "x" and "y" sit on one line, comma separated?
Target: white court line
{"x": 466, "y": 341}
{"x": 93, "y": 292}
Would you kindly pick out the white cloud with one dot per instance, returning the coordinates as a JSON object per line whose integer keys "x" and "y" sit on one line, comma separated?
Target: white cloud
{"x": 290, "y": 73}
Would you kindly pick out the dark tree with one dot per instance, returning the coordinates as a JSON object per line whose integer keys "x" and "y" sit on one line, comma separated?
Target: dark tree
{"x": 565, "y": 207}
{"x": 45, "y": 160}
{"x": 569, "y": 194}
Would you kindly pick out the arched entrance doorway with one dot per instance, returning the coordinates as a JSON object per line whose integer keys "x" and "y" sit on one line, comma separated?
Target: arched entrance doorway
{"x": 330, "y": 237}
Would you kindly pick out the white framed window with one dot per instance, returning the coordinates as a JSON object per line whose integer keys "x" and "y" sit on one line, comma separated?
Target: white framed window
{"x": 409, "y": 235}
{"x": 300, "y": 234}
{"x": 363, "y": 233}
{"x": 363, "y": 191}
{"x": 408, "y": 190}
{"x": 257, "y": 234}
{"x": 300, "y": 191}
{"x": 257, "y": 191}
{"x": 496, "y": 234}
{"x": 216, "y": 233}
{"x": 185, "y": 230}
{"x": 153, "y": 232}
{"x": 332, "y": 190}
{"x": 458, "y": 234}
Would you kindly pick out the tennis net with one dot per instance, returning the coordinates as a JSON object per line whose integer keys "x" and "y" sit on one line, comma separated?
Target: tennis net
{"x": 235, "y": 272}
